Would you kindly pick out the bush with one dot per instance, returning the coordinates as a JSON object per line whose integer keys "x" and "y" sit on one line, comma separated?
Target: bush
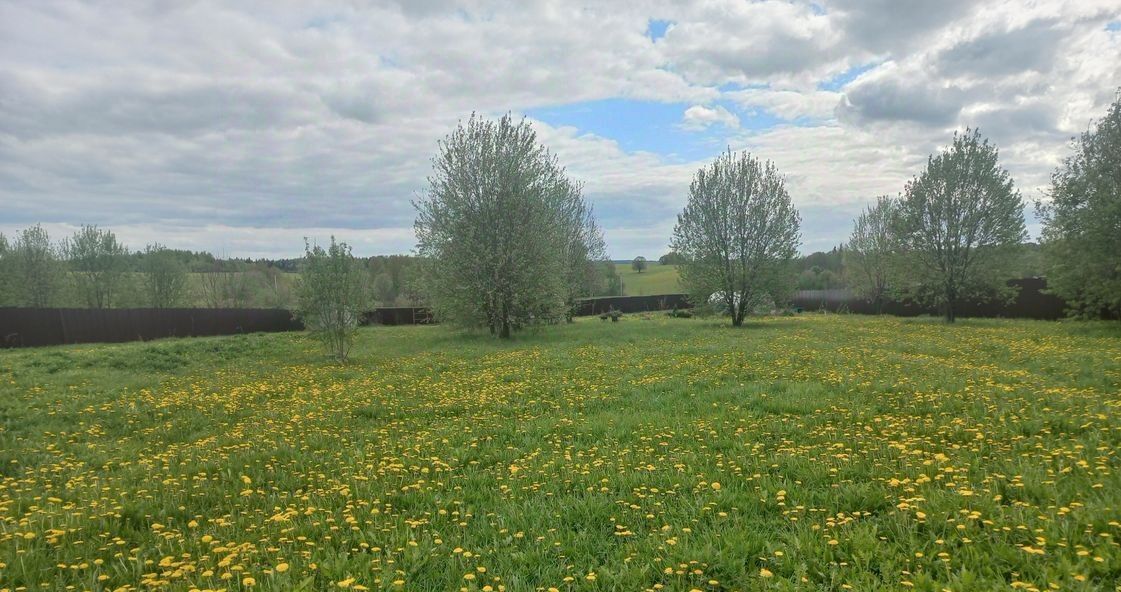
{"x": 331, "y": 296}
{"x": 680, "y": 313}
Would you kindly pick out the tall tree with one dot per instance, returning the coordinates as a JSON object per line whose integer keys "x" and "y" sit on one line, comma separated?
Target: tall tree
{"x": 384, "y": 290}
{"x": 1082, "y": 222}
{"x": 332, "y": 295}
{"x": 37, "y": 272}
{"x": 871, "y": 251}
{"x": 97, "y": 265}
{"x": 164, "y": 277}
{"x": 960, "y": 225}
{"x": 738, "y": 234}
{"x": 639, "y": 264}
{"x": 582, "y": 246}
{"x": 7, "y": 273}
{"x": 225, "y": 283}
{"x": 501, "y": 229}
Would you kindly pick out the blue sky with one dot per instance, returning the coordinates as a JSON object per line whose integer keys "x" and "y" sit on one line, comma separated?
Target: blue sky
{"x": 652, "y": 126}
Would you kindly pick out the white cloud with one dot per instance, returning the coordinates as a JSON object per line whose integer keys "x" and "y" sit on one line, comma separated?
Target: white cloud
{"x": 699, "y": 117}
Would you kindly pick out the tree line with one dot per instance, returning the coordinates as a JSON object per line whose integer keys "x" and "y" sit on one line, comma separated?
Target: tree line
{"x": 506, "y": 240}
{"x": 956, "y": 232}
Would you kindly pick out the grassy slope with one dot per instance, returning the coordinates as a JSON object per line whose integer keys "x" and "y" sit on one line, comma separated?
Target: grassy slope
{"x": 657, "y": 279}
{"x": 865, "y": 452}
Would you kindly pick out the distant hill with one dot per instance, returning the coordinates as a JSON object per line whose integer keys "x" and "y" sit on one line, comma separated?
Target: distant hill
{"x": 656, "y": 279}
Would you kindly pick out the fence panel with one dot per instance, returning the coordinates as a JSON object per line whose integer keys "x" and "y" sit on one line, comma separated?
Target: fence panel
{"x": 1031, "y": 302}
{"x": 631, "y": 304}
{"x": 27, "y": 327}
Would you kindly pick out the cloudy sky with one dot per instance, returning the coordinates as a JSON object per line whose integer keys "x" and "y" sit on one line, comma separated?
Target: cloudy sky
{"x": 241, "y": 127}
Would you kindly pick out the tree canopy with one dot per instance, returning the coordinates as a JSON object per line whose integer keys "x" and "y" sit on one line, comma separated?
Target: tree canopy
{"x": 738, "y": 234}
{"x": 959, "y": 226}
{"x": 1082, "y": 221}
{"x": 504, "y": 233}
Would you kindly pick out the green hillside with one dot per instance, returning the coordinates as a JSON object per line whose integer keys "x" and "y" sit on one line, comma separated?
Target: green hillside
{"x": 656, "y": 279}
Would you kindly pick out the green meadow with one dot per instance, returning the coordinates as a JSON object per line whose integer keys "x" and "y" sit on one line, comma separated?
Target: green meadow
{"x": 798, "y": 453}
{"x": 655, "y": 279}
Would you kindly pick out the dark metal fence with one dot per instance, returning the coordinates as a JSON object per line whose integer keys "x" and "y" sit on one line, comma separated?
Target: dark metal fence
{"x": 29, "y": 327}
{"x": 631, "y": 304}
{"x": 1030, "y": 303}
{"x": 26, "y": 327}
{"x": 398, "y": 315}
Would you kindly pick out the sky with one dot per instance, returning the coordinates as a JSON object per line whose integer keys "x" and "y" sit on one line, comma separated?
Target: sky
{"x": 242, "y": 127}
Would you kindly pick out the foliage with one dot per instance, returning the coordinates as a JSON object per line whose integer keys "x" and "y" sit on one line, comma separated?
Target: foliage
{"x": 816, "y": 278}
{"x": 331, "y": 296}
{"x": 813, "y": 453}
{"x": 164, "y": 277}
{"x": 503, "y": 233}
{"x": 671, "y": 258}
{"x": 97, "y": 265}
{"x": 7, "y": 273}
{"x": 1082, "y": 222}
{"x": 738, "y": 234}
{"x": 639, "y": 264}
{"x": 831, "y": 260}
{"x": 385, "y": 293}
{"x": 960, "y": 225}
{"x": 33, "y": 269}
{"x": 872, "y": 251}
{"x": 225, "y": 284}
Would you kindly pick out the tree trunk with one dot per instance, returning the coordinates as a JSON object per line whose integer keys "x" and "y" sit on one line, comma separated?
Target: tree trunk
{"x": 950, "y": 313}
{"x": 504, "y": 322}
{"x": 737, "y": 315}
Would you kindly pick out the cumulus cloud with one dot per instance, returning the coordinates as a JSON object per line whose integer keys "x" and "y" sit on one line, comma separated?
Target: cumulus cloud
{"x": 728, "y": 40}
{"x": 1031, "y": 47}
{"x": 699, "y": 117}
{"x": 891, "y": 96}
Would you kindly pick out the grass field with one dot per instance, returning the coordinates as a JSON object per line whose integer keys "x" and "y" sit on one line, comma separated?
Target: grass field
{"x": 657, "y": 279}
{"x": 799, "y": 453}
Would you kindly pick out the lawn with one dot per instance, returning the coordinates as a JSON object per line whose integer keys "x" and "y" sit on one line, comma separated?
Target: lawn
{"x": 656, "y": 279}
{"x": 798, "y": 453}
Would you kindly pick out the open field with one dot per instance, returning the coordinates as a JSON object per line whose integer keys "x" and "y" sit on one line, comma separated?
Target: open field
{"x": 657, "y": 279}
{"x": 811, "y": 452}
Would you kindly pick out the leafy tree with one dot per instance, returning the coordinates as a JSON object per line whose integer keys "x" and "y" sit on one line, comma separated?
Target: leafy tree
{"x": 816, "y": 278}
{"x": 607, "y": 281}
{"x": 275, "y": 291}
{"x": 639, "y": 264}
{"x": 671, "y": 258}
{"x": 831, "y": 260}
{"x": 582, "y": 247}
{"x": 1082, "y": 223}
{"x": 164, "y": 277}
{"x": 738, "y": 234}
{"x": 331, "y": 296}
{"x": 7, "y": 273}
{"x": 960, "y": 224}
{"x": 225, "y": 284}
{"x": 872, "y": 251}
{"x": 384, "y": 290}
{"x": 501, "y": 229}
{"x": 97, "y": 265}
{"x": 35, "y": 268}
